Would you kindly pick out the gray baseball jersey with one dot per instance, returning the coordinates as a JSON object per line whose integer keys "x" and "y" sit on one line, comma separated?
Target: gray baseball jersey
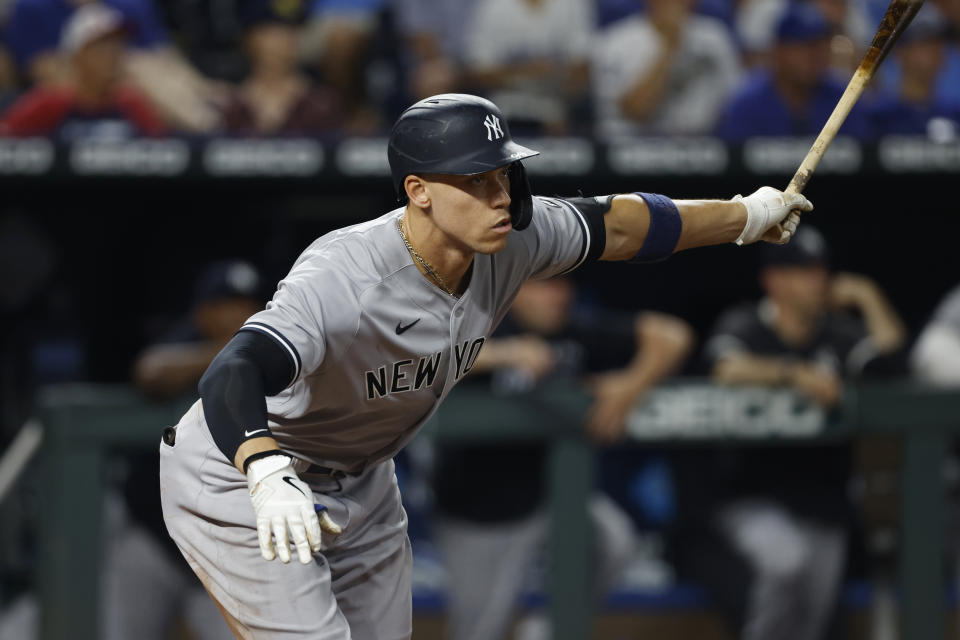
{"x": 377, "y": 346}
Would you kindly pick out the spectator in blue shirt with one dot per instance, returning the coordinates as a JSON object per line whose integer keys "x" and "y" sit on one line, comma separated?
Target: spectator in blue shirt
{"x": 797, "y": 93}
{"x": 948, "y": 79}
{"x": 915, "y": 106}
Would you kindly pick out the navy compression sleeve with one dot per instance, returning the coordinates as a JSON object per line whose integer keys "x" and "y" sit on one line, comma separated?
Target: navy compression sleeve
{"x": 235, "y": 385}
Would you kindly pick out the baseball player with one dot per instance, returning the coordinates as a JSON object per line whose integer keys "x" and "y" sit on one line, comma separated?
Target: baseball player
{"x": 301, "y": 413}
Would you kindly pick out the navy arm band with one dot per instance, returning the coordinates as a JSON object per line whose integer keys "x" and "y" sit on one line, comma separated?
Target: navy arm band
{"x": 234, "y": 388}
{"x": 664, "y": 231}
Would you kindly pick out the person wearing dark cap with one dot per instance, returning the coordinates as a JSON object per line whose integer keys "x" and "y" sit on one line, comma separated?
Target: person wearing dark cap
{"x": 797, "y": 93}
{"x": 276, "y": 97}
{"x": 148, "y": 589}
{"x": 775, "y": 550}
{"x": 225, "y": 294}
{"x": 914, "y": 106}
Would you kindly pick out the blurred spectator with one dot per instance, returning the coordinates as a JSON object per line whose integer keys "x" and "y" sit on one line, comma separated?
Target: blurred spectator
{"x": 531, "y": 57}
{"x": 8, "y": 75}
{"x": 147, "y": 586}
{"x": 946, "y": 90}
{"x": 183, "y": 98}
{"x": 35, "y": 32}
{"x": 609, "y": 11}
{"x": 851, "y": 32}
{"x": 277, "y": 97}
{"x": 666, "y": 71}
{"x": 796, "y": 95}
{"x": 915, "y": 108}
{"x": 935, "y": 359}
{"x": 338, "y": 41}
{"x": 492, "y": 525}
{"x": 850, "y": 26}
{"x": 775, "y": 550}
{"x": 433, "y": 37}
{"x": 948, "y": 85}
{"x": 226, "y": 294}
{"x": 94, "y": 104}
{"x": 936, "y": 355}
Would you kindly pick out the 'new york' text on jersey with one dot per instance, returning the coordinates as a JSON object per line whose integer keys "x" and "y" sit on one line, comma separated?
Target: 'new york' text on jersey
{"x": 377, "y": 347}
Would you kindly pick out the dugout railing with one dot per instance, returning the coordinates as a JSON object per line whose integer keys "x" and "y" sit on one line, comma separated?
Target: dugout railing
{"x": 84, "y": 423}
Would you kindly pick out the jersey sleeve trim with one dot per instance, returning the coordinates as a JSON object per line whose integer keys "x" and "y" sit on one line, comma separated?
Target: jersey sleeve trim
{"x": 585, "y": 229}
{"x": 283, "y": 342}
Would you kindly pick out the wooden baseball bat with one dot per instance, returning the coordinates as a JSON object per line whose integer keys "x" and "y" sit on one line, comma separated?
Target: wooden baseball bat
{"x": 895, "y": 20}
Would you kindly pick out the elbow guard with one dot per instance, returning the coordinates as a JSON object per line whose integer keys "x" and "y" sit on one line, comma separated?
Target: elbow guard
{"x": 235, "y": 386}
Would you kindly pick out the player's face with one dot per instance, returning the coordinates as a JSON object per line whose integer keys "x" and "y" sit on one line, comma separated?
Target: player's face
{"x": 473, "y": 211}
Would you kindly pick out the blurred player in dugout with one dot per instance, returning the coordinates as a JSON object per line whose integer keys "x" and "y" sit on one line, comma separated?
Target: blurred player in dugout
{"x": 491, "y": 526}
{"x": 774, "y": 548}
{"x": 148, "y": 587}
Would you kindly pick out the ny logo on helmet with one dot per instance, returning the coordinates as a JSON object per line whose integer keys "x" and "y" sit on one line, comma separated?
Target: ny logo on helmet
{"x": 492, "y": 123}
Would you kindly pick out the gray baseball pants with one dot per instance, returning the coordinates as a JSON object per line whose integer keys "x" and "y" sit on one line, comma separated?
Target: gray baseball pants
{"x": 357, "y": 588}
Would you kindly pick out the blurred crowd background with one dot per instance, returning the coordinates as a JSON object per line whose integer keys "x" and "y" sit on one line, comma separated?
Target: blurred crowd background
{"x": 138, "y": 281}
{"x": 734, "y": 68}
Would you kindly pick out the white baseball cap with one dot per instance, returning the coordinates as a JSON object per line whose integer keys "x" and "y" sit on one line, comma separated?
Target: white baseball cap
{"x": 90, "y": 22}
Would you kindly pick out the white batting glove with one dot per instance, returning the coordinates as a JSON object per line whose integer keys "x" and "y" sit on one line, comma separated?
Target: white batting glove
{"x": 772, "y": 215}
{"x": 284, "y": 505}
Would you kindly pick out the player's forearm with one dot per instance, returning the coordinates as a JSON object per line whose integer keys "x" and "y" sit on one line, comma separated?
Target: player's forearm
{"x": 709, "y": 222}
{"x": 703, "y": 222}
{"x": 234, "y": 391}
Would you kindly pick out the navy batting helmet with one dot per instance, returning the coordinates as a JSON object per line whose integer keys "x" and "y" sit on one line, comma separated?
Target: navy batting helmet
{"x": 459, "y": 134}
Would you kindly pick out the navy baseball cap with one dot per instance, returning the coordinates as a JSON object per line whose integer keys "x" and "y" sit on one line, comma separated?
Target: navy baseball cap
{"x": 228, "y": 279}
{"x": 802, "y": 22}
{"x": 807, "y": 247}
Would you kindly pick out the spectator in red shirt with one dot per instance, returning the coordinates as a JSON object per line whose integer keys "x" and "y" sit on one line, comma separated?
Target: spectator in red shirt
{"x": 95, "y": 104}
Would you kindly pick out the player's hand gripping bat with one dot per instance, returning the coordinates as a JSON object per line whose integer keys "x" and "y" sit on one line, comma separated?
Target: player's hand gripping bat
{"x": 895, "y": 21}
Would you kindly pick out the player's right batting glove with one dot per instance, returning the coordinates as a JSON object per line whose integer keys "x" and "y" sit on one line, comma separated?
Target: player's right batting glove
{"x": 768, "y": 207}
{"x": 283, "y": 505}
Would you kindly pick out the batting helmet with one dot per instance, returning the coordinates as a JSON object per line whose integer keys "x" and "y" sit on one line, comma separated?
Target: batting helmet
{"x": 459, "y": 134}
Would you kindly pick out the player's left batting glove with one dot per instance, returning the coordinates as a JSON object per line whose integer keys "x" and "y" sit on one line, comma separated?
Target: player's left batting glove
{"x": 771, "y": 215}
{"x": 283, "y": 505}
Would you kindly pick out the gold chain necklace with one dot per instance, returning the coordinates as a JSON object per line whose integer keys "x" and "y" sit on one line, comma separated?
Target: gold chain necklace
{"x": 423, "y": 263}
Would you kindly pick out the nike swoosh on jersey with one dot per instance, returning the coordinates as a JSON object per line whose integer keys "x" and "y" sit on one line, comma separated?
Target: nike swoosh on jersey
{"x": 289, "y": 481}
{"x": 401, "y": 328}
{"x": 247, "y": 434}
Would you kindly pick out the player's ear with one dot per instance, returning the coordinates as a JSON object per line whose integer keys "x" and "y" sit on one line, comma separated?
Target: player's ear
{"x": 416, "y": 189}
